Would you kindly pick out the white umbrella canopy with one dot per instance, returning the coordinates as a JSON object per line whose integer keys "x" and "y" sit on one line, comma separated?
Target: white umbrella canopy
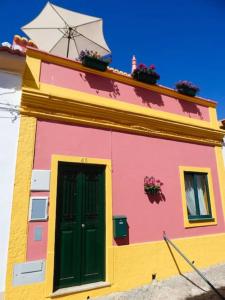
{"x": 66, "y": 33}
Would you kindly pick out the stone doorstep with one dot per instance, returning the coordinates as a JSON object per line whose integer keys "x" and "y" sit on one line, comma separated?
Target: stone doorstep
{"x": 80, "y": 288}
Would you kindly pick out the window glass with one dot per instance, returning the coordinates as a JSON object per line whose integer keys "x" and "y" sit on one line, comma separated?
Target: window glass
{"x": 202, "y": 194}
{"x": 38, "y": 209}
{"x": 197, "y": 195}
{"x": 190, "y": 195}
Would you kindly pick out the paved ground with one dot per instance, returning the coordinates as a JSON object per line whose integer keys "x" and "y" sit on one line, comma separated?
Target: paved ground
{"x": 188, "y": 286}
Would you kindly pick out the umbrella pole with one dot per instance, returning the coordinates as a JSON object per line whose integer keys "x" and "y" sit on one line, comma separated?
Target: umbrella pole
{"x": 68, "y": 46}
{"x": 69, "y": 38}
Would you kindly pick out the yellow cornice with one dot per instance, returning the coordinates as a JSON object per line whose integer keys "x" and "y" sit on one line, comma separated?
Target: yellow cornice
{"x": 118, "y": 77}
{"x": 73, "y": 97}
{"x": 55, "y": 103}
{"x": 31, "y": 76}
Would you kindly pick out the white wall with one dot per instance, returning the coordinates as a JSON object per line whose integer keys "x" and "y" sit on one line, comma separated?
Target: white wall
{"x": 224, "y": 151}
{"x": 10, "y": 94}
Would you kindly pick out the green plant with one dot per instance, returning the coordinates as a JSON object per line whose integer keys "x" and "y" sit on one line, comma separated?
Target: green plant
{"x": 146, "y": 74}
{"x": 151, "y": 185}
{"x": 187, "y": 88}
{"x": 94, "y": 54}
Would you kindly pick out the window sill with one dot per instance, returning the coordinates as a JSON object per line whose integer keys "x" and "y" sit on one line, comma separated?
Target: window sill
{"x": 191, "y": 223}
{"x": 201, "y": 220}
{"x": 80, "y": 288}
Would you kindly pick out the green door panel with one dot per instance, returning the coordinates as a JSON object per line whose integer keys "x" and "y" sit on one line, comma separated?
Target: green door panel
{"x": 67, "y": 243}
{"x": 66, "y": 261}
{"x": 93, "y": 243}
{"x": 80, "y": 225}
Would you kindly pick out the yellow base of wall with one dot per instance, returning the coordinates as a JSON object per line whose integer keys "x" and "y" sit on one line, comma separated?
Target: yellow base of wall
{"x": 133, "y": 265}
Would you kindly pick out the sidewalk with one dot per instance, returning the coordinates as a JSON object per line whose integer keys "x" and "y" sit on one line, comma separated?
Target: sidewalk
{"x": 189, "y": 286}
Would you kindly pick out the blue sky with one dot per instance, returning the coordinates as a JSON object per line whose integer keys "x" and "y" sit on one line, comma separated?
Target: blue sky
{"x": 183, "y": 39}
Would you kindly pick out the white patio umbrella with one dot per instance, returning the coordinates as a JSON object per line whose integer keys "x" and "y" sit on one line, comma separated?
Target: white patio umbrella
{"x": 66, "y": 33}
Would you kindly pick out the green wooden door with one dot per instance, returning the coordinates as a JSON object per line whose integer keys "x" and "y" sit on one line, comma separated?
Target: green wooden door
{"x": 80, "y": 225}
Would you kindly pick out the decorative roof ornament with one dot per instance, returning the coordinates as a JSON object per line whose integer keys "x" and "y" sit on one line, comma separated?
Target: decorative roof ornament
{"x": 134, "y": 64}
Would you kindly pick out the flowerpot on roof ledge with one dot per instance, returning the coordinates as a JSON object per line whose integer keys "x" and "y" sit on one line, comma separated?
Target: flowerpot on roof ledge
{"x": 94, "y": 63}
{"x": 187, "y": 91}
{"x": 146, "y": 78}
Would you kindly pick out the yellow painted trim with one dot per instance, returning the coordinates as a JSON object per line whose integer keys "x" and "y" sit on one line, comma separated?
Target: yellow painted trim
{"x": 31, "y": 76}
{"x": 213, "y": 117}
{"x": 20, "y": 205}
{"x": 116, "y": 76}
{"x": 187, "y": 223}
{"x": 221, "y": 175}
{"x": 52, "y": 215}
{"x": 56, "y": 103}
{"x": 143, "y": 260}
{"x": 134, "y": 265}
{"x": 103, "y": 102}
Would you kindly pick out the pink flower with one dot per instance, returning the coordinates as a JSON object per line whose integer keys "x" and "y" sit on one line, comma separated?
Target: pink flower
{"x": 146, "y": 180}
{"x": 142, "y": 66}
{"x": 151, "y": 185}
{"x": 152, "y": 67}
{"x": 152, "y": 180}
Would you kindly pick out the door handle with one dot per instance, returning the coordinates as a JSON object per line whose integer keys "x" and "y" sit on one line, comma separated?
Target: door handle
{"x": 82, "y": 225}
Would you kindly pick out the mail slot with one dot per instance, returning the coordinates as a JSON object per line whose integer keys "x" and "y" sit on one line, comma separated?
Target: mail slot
{"x": 119, "y": 226}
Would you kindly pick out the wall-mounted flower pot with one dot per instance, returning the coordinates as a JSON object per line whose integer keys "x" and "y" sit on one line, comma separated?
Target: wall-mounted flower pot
{"x": 94, "y": 63}
{"x": 152, "y": 192}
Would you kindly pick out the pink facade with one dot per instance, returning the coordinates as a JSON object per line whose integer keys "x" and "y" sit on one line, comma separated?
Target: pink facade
{"x": 105, "y": 87}
{"x": 37, "y": 249}
{"x": 134, "y": 157}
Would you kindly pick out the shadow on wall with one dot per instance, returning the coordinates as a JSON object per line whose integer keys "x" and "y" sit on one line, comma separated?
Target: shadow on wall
{"x": 160, "y": 197}
{"x": 10, "y": 81}
{"x": 190, "y": 108}
{"x": 207, "y": 295}
{"x": 149, "y": 97}
{"x": 210, "y": 295}
{"x": 102, "y": 84}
